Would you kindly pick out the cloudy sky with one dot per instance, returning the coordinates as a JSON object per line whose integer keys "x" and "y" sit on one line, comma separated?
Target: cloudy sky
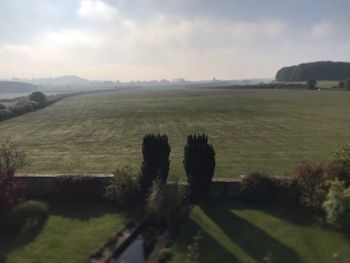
{"x": 155, "y": 39}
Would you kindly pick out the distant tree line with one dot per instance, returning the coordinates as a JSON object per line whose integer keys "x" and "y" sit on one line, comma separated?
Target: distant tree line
{"x": 322, "y": 70}
{"x": 33, "y": 102}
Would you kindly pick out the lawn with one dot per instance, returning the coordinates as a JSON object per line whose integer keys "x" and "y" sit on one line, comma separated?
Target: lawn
{"x": 269, "y": 130}
{"x": 71, "y": 233}
{"x": 232, "y": 232}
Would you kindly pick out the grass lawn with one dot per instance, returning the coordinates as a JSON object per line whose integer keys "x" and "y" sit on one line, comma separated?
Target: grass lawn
{"x": 270, "y": 130}
{"x": 71, "y": 233}
{"x": 233, "y": 232}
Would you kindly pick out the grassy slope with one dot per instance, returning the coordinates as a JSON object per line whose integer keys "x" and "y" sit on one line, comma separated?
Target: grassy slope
{"x": 71, "y": 234}
{"x": 235, "y": 233}
{"x": 251, "y": 130}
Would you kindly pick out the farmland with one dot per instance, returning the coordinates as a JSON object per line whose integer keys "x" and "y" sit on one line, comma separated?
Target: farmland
{"x": 269, "y": 130}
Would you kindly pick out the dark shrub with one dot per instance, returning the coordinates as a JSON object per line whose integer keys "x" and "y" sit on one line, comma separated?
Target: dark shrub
{"x": 26, "y": 216}
{"x": 259, "y": 187}
{"x": 123, "y": 188}
{"x": 311, "y": 84}
{"x": 38, "y": 97}
{"x": 199, "y": 163}
{"x": 80, "y": 188}
{"x": 155, "y": 165}
{"x": 2, "y": 107}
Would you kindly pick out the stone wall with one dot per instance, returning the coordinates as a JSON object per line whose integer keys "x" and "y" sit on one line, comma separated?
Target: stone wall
{"x": 45, "y": 186}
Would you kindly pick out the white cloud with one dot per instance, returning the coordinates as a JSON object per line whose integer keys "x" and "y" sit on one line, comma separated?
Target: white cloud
{"x": 96, "y": 10}
{"x": 322, "y": 29}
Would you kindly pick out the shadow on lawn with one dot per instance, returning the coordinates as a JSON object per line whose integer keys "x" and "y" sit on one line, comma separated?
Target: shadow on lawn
{"x": 87, "y": 210}
{"x": 254, "y": 241}
{"x": 207, "y": 244}
{"x": 13, "y": 240}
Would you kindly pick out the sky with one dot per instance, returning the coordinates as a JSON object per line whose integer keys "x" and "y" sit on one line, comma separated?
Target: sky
{"x": 161, "y": 39}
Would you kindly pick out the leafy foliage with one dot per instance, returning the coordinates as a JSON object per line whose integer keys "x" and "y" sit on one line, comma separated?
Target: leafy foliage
{"x": 11, "y": 157}
{"x": 163, "y": 202}
{"x": 336, "y": 206}
{"x": 123, "y": 188}
{"x": 12, "y": 191}
{"x": 38, "y": 97}
{"x": 199, "y": 163}
{"x": 155, "y": 165}
{"x": 260, "y": 187}
{"x": 322, "y": 70}
{"x": 311, "y": 83}
{"x": 26, "y": 216}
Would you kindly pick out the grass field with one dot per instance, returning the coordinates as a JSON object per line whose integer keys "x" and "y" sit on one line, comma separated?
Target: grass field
{"x": 239, "y": 233}
{"x": 71, "y": 234}
{"x": 270, "y": 130}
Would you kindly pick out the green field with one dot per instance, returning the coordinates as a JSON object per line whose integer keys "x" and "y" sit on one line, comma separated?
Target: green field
{"x": 270, "y": 130}
{"x": 72, "y": 232}
{"x": 232, "y": 232}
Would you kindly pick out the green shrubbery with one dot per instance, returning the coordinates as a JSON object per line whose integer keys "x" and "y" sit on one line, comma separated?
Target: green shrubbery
{"x": 311, "y": 180}
{"x": 26, "y": 216}
{"x": 259, "y": 187}
{"x": 124, "y": 187}
{"x": 337, "y": 204}
{"x": 199, "y": 163}
{"x": 163, "y": 202}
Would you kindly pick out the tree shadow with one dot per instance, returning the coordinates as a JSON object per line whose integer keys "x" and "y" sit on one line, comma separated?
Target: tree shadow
{"x": 82, "y": 210}
{"x": 217, "y": 253}
{"x": 10, "y": 240}
{"x": 253, "y": 240}
{"x": 292, "y": 214}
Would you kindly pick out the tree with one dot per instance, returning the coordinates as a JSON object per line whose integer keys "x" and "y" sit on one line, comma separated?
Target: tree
{"x": 11, "y": 157}
{"x": 2, "y": 107}
{"x": 336, "y": 204}
{"x": 347, "y": 84}
{"x": 199, "y": 164}
{"x": 38, "y": 97}
{"x": 311, "y": 84}
{"x": 11, "y": 190}
{"x": 155, "y": 165}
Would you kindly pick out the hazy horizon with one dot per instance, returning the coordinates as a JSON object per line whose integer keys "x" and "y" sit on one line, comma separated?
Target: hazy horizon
{"x": 153, "y": 40}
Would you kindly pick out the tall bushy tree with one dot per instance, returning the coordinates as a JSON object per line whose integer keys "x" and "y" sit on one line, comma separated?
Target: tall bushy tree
{"x": 38, "y": 97}
{"x": 199, "y": 163}
{"x": 311, "y": 84}
{"x": 155, "y": 165}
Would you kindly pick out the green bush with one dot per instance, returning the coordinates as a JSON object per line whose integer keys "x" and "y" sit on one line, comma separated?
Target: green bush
{"x": 259, "y": 187}
{"x": 199, "y": 164}
{"x": 163, "y": 202}
{"x": 38, "y": 97}
{"x": 336, "y": 206}
{"x": 155, "y": 165}
{"x": 27, "y": 216}
{"x": 123, "y": 188}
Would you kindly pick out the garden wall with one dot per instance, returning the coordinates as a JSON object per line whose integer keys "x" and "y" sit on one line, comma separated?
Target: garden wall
{"x": 93, "y": 186}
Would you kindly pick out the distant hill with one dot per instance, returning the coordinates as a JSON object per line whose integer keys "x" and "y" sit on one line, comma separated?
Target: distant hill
{"x": 61, "y": 81}
{"x": 16, "y": 87}
{"x": 321, "y": 70}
